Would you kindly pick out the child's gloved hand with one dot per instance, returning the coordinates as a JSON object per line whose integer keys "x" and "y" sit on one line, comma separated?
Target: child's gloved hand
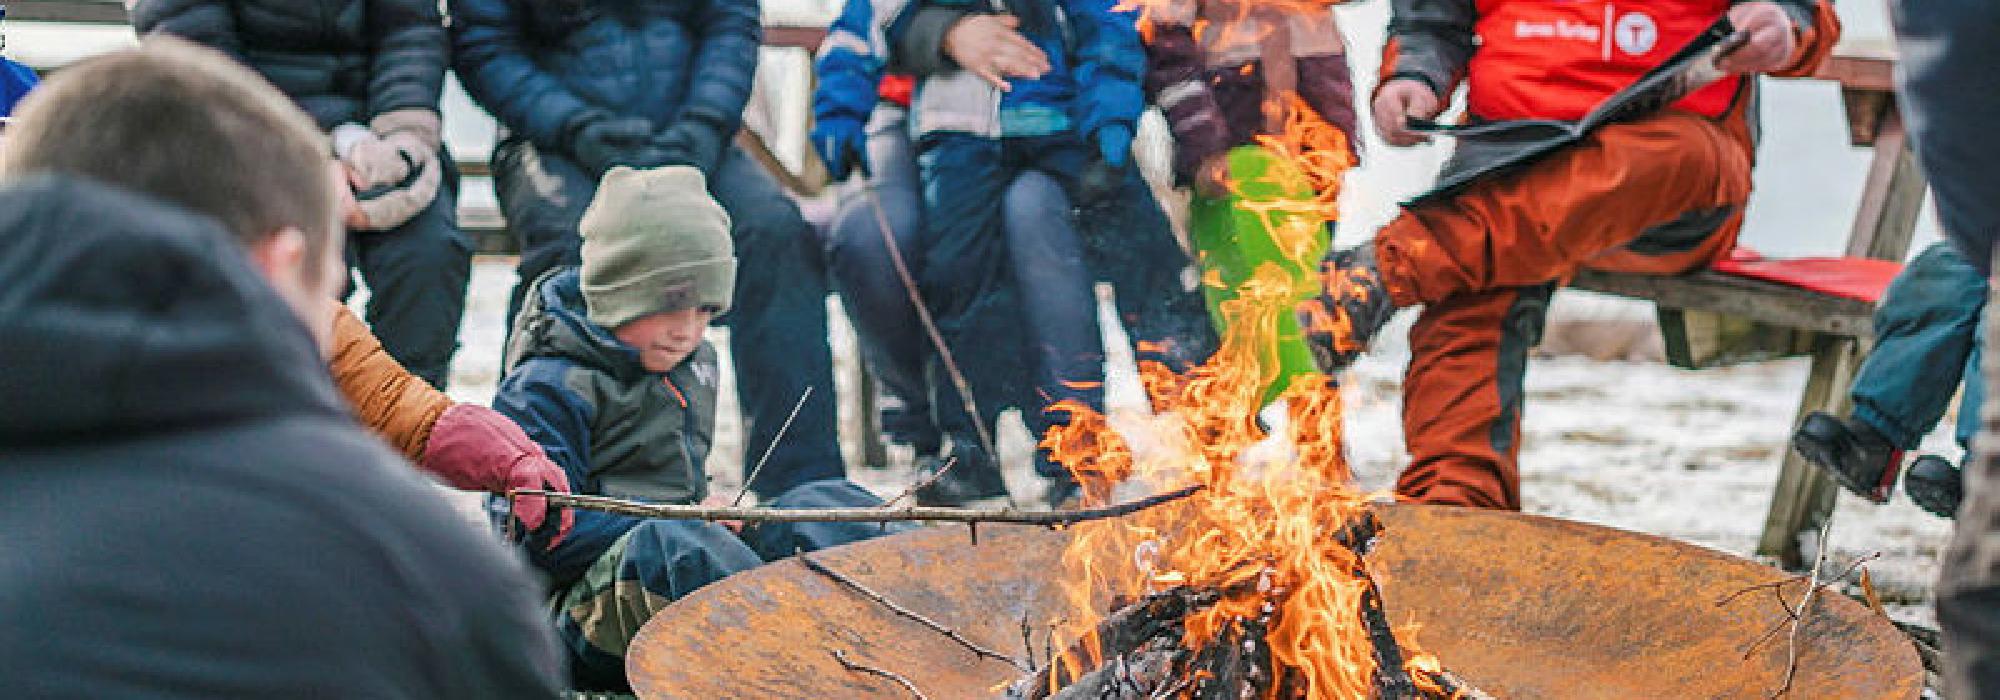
{"x": 843, "y": 146}
{"x": 1114, "y": 144}
{"x": 475, "y": 448}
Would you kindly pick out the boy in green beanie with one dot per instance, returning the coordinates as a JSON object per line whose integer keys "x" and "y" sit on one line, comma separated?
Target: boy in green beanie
{"x": 608, "y": 371}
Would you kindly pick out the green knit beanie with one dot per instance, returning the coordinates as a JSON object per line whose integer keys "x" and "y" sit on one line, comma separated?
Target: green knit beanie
{"x": 653, "y": 241}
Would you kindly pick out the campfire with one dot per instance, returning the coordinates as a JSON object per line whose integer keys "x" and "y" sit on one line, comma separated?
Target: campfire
{"x": 1256, "y": 586}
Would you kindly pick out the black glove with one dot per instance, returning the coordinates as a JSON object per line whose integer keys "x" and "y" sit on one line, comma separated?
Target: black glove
{"x": 690, "y": 144}
{"x": 601, "y": 142}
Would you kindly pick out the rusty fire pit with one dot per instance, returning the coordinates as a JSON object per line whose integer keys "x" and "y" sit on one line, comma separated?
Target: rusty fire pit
{"x": 1520, "y": 606}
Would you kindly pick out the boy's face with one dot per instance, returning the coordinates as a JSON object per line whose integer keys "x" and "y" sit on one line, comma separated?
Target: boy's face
{"x": 666, "y": 338}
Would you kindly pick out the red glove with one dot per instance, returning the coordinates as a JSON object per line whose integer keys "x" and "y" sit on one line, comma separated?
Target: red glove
{"x": 476, "y": 449}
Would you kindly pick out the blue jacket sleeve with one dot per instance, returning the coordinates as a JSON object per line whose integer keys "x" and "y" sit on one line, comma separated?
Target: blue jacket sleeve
{"x": 730, "y": 32}
{"x": 490, "y": 55}
{"x": 15, "y": 82}
{"x": 552, "y": 415}
{"x": 1109, "y": 64}
{"x": 207, "y": 22}
{"x": 850, "y": 64}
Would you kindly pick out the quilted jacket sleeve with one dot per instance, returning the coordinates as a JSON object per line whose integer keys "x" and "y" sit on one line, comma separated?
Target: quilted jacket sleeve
{"x": 850, "y": 65}
{"x": 1109, "y": 64}
{"x": 554, "y": 416}
{"x": 391, "y": 402}
{"x": 1430, "y": 41}
{"x": 207, "y": 22}
{"x": 490, "y": 54}
{"x": 730, "y": 33}
{"x": 406, "y": 68}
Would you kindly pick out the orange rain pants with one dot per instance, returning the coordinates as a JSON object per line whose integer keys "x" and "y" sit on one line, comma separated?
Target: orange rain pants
{"x": 1663, "y": 195}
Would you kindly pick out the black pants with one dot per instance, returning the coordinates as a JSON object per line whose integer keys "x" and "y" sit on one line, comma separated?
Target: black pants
{"x": 416, "y": 275}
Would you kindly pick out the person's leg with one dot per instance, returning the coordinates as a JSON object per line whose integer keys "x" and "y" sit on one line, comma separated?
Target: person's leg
{"x": 774, "y": 541}
{"x": 1677, "y": 180}
{"x": 1462, "y": 397}
{"x": 964, "y": 284}
{"x": 416, "y": 275}
{"x": 859, "y": 264}
{"x": 1058, "y": 297}
{"x": 1928, "y": 319}
{"x": 778, "y": 331}
{"x": 542, "y": 196}
{"x": 653, "y": 564}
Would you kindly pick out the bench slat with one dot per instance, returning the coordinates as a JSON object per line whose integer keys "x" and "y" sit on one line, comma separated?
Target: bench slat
{"x": 1766, "y": 302}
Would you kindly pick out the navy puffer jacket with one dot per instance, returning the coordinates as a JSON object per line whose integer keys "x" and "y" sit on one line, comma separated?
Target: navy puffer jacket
{"x": 542, "y": 65}
{"x": 341, "y": 60}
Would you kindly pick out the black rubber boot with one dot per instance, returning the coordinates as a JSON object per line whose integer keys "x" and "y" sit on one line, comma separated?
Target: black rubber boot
{"x": 1852, "y": 452}
{"x": 973, "y": 477}
{"x": 1935, "y": 486}
{"x": 1351, "y": 308}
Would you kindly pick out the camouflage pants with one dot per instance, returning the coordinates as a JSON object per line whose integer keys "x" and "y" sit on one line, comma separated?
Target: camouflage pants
{"x": 659, "y": 561}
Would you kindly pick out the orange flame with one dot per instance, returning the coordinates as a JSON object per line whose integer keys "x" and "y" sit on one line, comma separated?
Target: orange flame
{"x": 1263, "y": 528}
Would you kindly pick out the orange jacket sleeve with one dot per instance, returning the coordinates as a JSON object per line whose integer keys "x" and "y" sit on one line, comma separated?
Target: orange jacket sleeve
{"x": 1815, "y": 42}
{"x": 387, "y": 399}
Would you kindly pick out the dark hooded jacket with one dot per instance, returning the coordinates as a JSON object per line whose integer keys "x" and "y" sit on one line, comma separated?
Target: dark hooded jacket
{"x": 616, "y": 428}
{"x": 187, "y": 508}
{"x": 341, "y": 60}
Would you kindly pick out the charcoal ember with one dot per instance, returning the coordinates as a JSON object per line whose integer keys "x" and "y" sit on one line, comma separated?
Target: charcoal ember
{"x": 1136, "y": 676}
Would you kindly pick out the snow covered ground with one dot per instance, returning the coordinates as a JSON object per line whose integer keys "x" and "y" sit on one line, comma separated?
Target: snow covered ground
{"x": 1640, "y": 446}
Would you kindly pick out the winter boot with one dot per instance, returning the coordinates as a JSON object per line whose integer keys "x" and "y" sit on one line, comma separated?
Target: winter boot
{"x": 1935, "y": 486}
{"x": 973, "y": 477}
{"x": 1853, "y": 452}
{"x": 1351, "y": 308}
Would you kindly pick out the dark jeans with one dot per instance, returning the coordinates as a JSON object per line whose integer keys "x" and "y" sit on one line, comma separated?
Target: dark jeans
{"x": 661, "y": 561}
{"x": 991, "y": 230}
{"x": 416, "y": 275}
{"x": 1926, "y": 345}
{"x": 778, "y": 331}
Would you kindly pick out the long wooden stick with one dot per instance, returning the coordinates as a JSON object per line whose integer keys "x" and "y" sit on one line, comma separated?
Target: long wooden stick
{"x": 1049, "y": 518}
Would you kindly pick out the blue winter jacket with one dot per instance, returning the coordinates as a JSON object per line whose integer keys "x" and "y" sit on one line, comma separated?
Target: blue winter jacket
{"x": 538, "y": 65}
{"x": 615, "y": 428}
{"x": 15, "y": 82}
{"x": 852, "y": 59}
{"x": 1096, "y": 64}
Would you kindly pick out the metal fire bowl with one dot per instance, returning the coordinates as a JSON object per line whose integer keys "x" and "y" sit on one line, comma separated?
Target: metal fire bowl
{"x": 1521, "y": 606}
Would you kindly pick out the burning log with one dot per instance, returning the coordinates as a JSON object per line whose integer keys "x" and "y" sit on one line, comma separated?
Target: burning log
{"x": 1140, "y": 651}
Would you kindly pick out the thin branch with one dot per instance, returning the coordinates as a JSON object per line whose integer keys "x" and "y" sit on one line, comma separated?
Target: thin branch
{"x": 768, "y": 449}
{"x": 926, "y": 483}
{"x": 953, "y": 635}
{"x": 1046, "y": 518}
{"x": 871, "y": 670}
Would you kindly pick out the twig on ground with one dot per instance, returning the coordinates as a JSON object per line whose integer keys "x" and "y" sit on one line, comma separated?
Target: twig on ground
{"x": 884, "y": 601}
{"x": 773, "y": 447}
{"x": 925, "y": 483}
{"x": 1795, "y": 615}
{"x": 1046, "y": 518}
{"x": 871, "y": 670}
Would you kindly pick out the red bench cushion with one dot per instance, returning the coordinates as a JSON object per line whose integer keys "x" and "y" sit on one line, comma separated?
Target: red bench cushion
{"x": 1863, "y": 279}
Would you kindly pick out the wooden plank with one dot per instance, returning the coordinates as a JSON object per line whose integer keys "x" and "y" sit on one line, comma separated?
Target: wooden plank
{"x": 1866, "y": 64}
{"x": 1803, "y": 496}
{"x": 807, "y": 38}
{"x": 1865, "y": 112}
{"x": 1704, "y": 339}
{"x": 80, "y": 11}
{"x": 1891, "y": 198}
{"x": 1766, "y": 302}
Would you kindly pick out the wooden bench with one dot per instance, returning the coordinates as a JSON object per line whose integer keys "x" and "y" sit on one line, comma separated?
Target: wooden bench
{"x": 1711, "y": 319}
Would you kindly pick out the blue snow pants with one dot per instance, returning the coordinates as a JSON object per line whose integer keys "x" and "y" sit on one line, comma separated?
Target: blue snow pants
{"x": 1927, "y": 343}
{"x": 777, "y": 323}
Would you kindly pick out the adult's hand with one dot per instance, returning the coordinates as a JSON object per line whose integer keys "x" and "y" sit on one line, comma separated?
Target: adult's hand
{"x": 475, "y": 448}
{"x": 1772, "y": 39}
{"x": 1399, "y": 100}
{"x": 600, "y": 143}
{"x": 990, "y": 47}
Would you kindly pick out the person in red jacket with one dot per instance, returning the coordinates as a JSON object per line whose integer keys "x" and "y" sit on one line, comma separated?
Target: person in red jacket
{"x": 1662, "y": 194}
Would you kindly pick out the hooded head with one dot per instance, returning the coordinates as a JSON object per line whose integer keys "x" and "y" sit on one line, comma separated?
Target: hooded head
{"x": 657, "y": 261}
